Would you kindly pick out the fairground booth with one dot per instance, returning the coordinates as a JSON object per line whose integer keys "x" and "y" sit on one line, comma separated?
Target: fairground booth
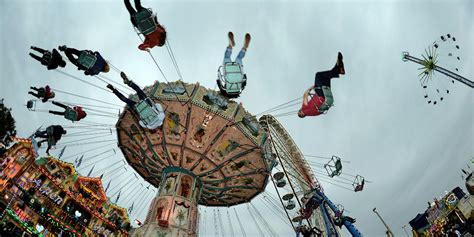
{"x": 47, "y": 197}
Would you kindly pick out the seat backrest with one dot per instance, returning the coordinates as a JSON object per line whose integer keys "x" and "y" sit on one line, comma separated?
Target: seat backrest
{"x": 146, "y": 112}
{"x": 329, "y": 99}
{"x": 234, "y": 77}
{"x": 338, "y": 165}
{"x": 87, "y": 59}
{"x": 145, "y": 21}
{"x": 70, "y": 114}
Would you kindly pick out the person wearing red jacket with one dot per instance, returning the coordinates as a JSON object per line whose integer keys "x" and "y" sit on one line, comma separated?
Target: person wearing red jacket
{"x": 43, "y": 93}
{"x": 74, "y": 114}
{"x": 322, "y": 100}
{"x": 147, "y": 24}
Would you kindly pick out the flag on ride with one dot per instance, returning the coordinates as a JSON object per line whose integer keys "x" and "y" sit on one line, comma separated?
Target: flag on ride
{"x": 130, "y": 209}
{"x": 108, "y": 185}
{"x": 79, "y": 162}
{"x": 90, "y": 172}
{"x": 61, "y": 152}
{"x": 118, "y": 196}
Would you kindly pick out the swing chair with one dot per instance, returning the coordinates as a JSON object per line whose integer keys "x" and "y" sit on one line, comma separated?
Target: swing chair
{"x": 151, "y": 114}
{"x": 231, "y": 79}
{"x": 358, "y": 183}
{"x": 146, "y": 23}
{"x": 87, "y": 59}
{"x": 31, "y": 105}
{"x": 328, "y": 99}
{"x": 334, "y": 166}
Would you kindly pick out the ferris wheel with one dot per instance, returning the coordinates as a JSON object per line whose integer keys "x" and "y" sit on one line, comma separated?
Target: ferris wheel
{"x": 297, "y": 187}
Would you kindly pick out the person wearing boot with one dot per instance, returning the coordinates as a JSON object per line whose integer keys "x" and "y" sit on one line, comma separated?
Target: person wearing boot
{"x": 322, "y": 100}
{"x": 43, "y": 93}
{"x": 50, "y": 59}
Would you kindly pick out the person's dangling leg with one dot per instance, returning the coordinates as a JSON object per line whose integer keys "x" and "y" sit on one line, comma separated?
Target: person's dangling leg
{"x": 59, "y": 104}
{"x": 40, "y": 59}
{"x": 324, "y": 79}
{"x": 240, "y": 56}
{"x": 141, "y": 94}
{"x": 72, "y": 54}
{"x": 227, "y": 54}
{"x": 34, "y": 88}
{"x": 117, "y": 93}
{"x": 131, "y": 11}
{"x": 242, "y": 52}
{"x": 129, "y": 7}
{"x": 34, "y": 94}
{"x": 228, "y": 50}
{"x": 138, "y": 5}
{"x": 39, "y": 49}
{"x": 134, "y": 86}
{"x": 41, "y": 134}
{"x": 57, "y": 113}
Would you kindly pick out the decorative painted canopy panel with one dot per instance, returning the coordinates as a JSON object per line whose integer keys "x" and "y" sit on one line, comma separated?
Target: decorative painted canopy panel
{"x": 204, "y": 133}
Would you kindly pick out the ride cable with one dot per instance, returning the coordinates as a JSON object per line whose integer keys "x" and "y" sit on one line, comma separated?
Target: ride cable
{"x": 87, "y": 98}
{"x": 255, "y": 221}
{"x": 277, "y": 107}
{"x": 242, "y": 230}
{"x": 270, "y": 229}
{"x": 230, "y": 223}
{"x": 82, "y": 80}
{"x": 88, "y": 150}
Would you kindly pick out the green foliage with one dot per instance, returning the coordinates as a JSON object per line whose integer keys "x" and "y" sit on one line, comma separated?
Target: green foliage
{"x": 7, "y": 123}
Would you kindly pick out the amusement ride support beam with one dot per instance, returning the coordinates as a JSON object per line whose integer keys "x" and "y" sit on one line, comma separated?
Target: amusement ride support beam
{"x": 388, "y": 232}
{"x": 349, "y": 226}
{"x": 446, "y": 72}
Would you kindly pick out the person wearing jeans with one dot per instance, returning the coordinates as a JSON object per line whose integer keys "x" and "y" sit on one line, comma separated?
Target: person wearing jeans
{"x": 241, "y": 55}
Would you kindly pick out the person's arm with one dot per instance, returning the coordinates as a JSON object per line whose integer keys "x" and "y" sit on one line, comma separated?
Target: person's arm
{"x": 305, "y": 96}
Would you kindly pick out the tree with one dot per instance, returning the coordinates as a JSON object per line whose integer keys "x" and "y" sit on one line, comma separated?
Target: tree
{"x": 7, "y": 124}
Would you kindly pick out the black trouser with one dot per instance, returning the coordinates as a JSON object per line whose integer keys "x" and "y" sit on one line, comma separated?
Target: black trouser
{"x": 132, "y": 11}
{"x": 40, "y": 59}
{"x": 73, "y": 54}
{"x": 41, "y": 92}
{"x": 129, "y": 102}
{"x": 60, "y": 105}
{"x": 324, "y": 79}
{"x": 43, "y": 134}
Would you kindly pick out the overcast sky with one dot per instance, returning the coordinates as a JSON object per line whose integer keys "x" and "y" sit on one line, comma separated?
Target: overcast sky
{"x": 411, "y": 151}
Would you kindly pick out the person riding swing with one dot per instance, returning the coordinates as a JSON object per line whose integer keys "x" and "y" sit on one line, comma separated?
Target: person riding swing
{"x": 50, "y": 59}
{"x": 151, "y": 114}
{"x": 339, "y": 219}
{"x": 231, "y": 77}
{"x": 43, "y": 93}
{"x": 92, "y": 63}
{"x": 52, "y": 135}
{"x": 74, "y": 114}
{"x": 147, "y": 24}
{"x": 323, "y": 99}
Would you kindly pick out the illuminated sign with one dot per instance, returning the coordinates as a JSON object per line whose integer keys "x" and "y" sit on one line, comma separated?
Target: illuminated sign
{"x": 101, "y": 230}
{"x": 48, "y": 192}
